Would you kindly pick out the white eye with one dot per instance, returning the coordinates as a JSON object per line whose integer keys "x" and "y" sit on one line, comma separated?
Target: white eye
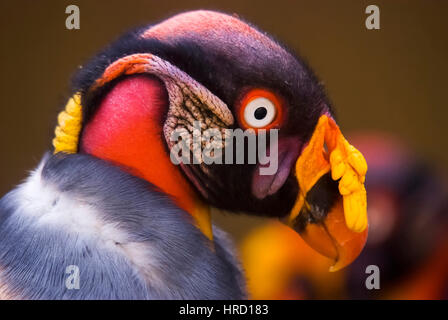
{"x": 259, "y": 112}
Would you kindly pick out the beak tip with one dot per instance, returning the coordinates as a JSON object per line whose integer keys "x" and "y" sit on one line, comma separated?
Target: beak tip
{"x": 350, "y": 250}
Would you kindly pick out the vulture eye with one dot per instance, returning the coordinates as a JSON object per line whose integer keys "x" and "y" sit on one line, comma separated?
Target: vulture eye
{"x": 260, "y": 109}
{"x": 259, "y": 112}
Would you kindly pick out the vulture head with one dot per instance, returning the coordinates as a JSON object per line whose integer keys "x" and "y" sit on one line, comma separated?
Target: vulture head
{"x": 216, "y": 113}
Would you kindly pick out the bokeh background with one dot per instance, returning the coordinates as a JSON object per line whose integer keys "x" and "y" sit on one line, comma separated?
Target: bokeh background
{"x": 391, "y": 80}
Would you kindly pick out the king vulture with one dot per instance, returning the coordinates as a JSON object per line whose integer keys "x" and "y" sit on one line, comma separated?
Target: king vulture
{"x": 108, "y": 209}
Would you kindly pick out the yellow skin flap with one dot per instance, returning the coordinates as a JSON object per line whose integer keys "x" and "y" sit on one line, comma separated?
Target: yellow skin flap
{"x": 69, "y": 126}
{"x": 345, "y": 163}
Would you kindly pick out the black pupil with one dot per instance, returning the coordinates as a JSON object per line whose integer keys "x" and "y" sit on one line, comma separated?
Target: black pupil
{"x": 260, "y": 113}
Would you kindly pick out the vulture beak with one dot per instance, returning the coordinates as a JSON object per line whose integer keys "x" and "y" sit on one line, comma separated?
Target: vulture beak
{"x": 341, "y": 232}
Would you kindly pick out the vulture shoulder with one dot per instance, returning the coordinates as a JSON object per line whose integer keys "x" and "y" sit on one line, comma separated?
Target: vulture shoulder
{"x": 82, "y": 228}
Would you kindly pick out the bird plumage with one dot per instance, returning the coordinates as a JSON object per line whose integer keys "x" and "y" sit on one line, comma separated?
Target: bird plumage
{"x": 129, "y": 240}
{"x": 112, "y": 201}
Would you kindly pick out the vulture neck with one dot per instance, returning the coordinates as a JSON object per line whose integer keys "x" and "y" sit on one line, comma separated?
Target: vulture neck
{"x": 127, "y": 130}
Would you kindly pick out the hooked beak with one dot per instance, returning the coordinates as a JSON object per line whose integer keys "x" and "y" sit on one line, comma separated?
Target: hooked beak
{"x": 338, "y": 232}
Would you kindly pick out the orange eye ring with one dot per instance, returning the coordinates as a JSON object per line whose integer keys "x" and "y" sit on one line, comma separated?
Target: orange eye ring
{"x": 260, "y": 109}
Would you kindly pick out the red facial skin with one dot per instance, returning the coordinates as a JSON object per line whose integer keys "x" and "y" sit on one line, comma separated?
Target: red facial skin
{"x": 127, "y": 130}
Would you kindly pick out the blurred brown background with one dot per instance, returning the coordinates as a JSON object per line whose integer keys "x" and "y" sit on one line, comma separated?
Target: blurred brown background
{"x": 393, "y": 79}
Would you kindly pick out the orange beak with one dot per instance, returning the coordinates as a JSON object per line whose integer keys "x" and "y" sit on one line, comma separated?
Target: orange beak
{"x": 340, "y": 233}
